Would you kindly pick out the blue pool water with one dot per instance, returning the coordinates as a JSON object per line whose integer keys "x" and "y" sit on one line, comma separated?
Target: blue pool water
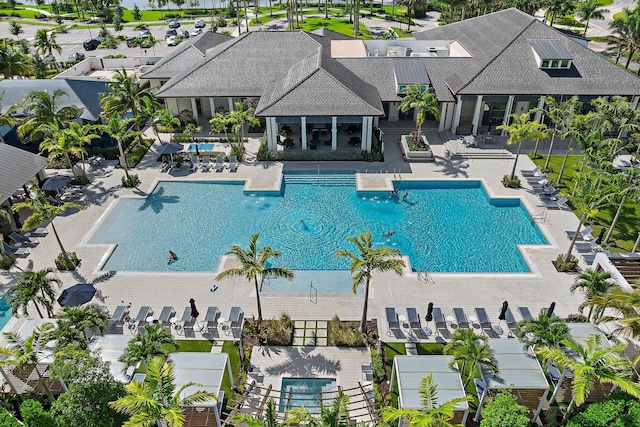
{"x": 443, "y": 226}
{"x": 306, "y": 392}
{"x": 5, "y": 311}
{"x": 205, "y": 146}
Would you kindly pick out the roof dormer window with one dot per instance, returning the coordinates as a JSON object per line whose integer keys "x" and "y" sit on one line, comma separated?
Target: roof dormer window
{"x": 551, "y": 54}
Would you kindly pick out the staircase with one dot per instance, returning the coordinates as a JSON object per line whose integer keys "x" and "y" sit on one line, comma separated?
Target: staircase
{"x": 328, "y": 179}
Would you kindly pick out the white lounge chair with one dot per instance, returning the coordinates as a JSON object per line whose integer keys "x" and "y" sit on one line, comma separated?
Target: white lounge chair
{"x": 40, "y": 232}
{"x": 556, "y": 204}
{"x": 585, "y": 234}
{"x": 233, "y": 164}
{"x": 193, "y": 165}
{"x": 20, "y": 252}
{"x": 531, "y": 172}
{"x": 536, "y": 179}
{"x": 206, "y": 164}
{"x": 25, "y": 241}
{"x": 543, "y": 184}
{"x": 590, "y": 246}
{"x": 219, "y": 166}
{"x": 551, "y": 195}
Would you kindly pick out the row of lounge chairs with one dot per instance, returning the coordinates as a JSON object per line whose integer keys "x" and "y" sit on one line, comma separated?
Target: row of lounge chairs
{"x": 20, "y": 242}
{"x": 544, "y": 188}
{"x": 585, "y": 243}
{"x": 205, "y": 165}
{"x": 441, "y": 324}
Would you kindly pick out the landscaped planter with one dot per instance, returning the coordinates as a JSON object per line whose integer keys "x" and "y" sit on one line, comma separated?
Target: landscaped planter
{"x": 428, "y": 154}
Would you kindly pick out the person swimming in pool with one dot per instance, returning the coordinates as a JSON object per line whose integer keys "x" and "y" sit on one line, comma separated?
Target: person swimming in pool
{"x": 172, "y": 257}
{"x": 405, "y": 195}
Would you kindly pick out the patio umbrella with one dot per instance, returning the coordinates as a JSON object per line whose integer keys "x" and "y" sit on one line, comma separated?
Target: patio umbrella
{"x": 600, "y": 236}
{"x": 77, "y": 295}
{"x": 194, "y": 311}
{"x": 429, "y": 316}
{"x": 56, "y": 182}
{"x": 503, "y": 311}
{"x": 170, "y": 149}
{"x": 551, "y": 308}
{"x": 197, "y": 150}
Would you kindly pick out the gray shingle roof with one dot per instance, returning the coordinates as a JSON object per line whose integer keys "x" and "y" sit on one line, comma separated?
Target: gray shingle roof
{"x": 84, "y": 94}
{"x": 378, "y": 72}
{"x": 410, "y": 71}
{"x": 184, "y": 56}
{"x": 17, "y": 167}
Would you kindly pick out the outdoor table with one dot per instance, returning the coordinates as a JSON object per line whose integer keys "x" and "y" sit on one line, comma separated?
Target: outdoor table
{"x": 473, "y": 319}
{"x": 450, "y": 319}
{"x": 149, "y": 319}
{"x": 221, "y": 321}
{"x": 403, "y": 319}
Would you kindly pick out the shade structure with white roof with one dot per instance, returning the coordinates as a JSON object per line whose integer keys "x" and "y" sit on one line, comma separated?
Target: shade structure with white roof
{"x": 520, "y": 372}
{"x": 409, "y": 370}
{"x": 111, "y": 347}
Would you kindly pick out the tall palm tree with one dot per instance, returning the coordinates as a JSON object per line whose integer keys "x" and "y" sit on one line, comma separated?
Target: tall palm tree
{"x": 80, "y": 136}
{"x": 6, "y": 117}
{"x": 254, "y": 266}
{"x": 154, "y": 341}
{"x": 13, "y": 62}
{"x": 121, "y": 130}
{"x": 43, "y": 212}
{"x": 43, "y": 108}
{"x": 60, "y": 143}
{"x": 626, "y": 188}
{"x": 544, "y": 331}
{"x": 588, "y": 10}
{"x": 625, "y": 34}
{"x": 239, "y": 117}
{"x": 365, "y": 262}
{"x": 126, "y": 95}
{"x": 431, "y": 414}
{"x": 156, "y": 399}
{"x": 167, "y": 120}
{"x": 560, "y": 113}
{"x": 73, "y": 322}
{"x": 35, "y": 287}
{"x": 592, "y": 363}
{"x": 45, "y": 41}
{"x": 30, "y": 351}
{"x": 150, "y": 110}
{"x": 423, "y": 101}
{"x": 594, "y": 284}
{"x": 469, "y": 351}
{"x": 522, "y": 129}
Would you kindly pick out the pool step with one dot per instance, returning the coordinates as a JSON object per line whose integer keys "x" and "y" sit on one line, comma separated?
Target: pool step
{"x": 334, "y": 180}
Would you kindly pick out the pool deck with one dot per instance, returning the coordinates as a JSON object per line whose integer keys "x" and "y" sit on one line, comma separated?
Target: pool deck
{"x": 446, "y": 291}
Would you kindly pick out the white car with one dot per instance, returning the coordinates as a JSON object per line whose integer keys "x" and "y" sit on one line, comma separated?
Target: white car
{"x": 199, "y": 23}
{"x": 172, "y": 41}
{"x": 196, "y": 32}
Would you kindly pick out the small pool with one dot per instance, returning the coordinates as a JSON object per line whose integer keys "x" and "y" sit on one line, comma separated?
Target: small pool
{"x": 307, "y": 392}
{"x": 204, "y": 146}
{"x": 5, "y": 311}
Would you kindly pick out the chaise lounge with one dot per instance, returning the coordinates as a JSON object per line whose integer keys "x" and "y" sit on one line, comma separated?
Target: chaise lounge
{"x": 233, "y": 164}
{"x": 20, "y": 252}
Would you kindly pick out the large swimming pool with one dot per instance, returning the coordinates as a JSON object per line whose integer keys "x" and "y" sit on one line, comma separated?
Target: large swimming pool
{"x": 443, "y": 226}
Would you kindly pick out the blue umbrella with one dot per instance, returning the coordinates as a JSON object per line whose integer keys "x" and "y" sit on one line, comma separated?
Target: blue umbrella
{"x": 56, "y": 182}
{"x": 78, "y": 294}
{"x": 170, "y": 148}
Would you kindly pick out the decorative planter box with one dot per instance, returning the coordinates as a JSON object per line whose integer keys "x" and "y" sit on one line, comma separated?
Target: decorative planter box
{"x": 415, "y": 154}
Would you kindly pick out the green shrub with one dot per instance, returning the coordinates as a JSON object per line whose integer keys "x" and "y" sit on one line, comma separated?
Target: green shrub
{"x": 7, "y": 260}
{"x": 315, "y": 155}
{"x": 7, "y": 420}
{"x": 67, "y": 265}
{"x": 577, "y": 318}
{"x": 503, "y": 410}
{"x": 33, "y": 414}
{"x": 237, "y": 150}
{"x": 379, "y": 373}
{"x": 563, "y": 266}
{"x": 263, "y": 153}
{"x": 617, "y": 410}
{"x": 130, "y": 182}
{"x": 118, "y": 56}
{"x": 280, "y": 331}
{"x": 345, "y": 334}
{"x": 511, "y": 183}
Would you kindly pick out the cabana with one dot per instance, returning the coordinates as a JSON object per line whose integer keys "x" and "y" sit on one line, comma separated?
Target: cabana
{"x": 111, "y": 347}
{"x": 208, "y": 370}
{"x": 519, "y": 372}
{"x": 409, "y": 371}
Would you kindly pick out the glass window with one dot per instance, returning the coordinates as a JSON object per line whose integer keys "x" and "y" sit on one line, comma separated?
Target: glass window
{"x": 554, "y": 64}
{"x": 545, "y": 64}
{"x": 565, "y": 63}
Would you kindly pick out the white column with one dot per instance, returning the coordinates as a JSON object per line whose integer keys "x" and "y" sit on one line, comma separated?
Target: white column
{"x": 303, "y": 130}
{"x": 272, "y": 134}
{"x": 456, "y": 116}
{"x": 443, "y": 116}
{"x": 230, "y": 100}
{"x": 334, "y": 133}
{"x": 376, "y": 121}
{"x": 363, "y": 135}
{"x": 212, "y": 105}
{"x": 194, "y": 109}
{"x": 538, "y": 115}
{"x": 507, "y": 113}
{"x": 476, "y": 115}
{"x": 448, "y": 122}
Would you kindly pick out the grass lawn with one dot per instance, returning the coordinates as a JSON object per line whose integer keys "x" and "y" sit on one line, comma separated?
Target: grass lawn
{"x": 28, "y": 14}
{"x": 599, "y": 39}
{"x": 429, "y": 348}
{"x": 400, "y": 33}
{"x": 200, "y": 346}
{"x": 147, "y": 15}
{"x": 604, "y": 3}
{"x": 399, "y": 10}
{"x": 393, "y": 349}
{"x": 234, "y": 360}
{"x": 569, "y": 21}
{"x": 339, "y": 25}
{"x": 626, "y": 231}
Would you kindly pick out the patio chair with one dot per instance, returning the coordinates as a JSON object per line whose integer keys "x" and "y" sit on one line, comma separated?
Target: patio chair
{"x": 40, "y": 232}
{"x": 116, "y": 320}
{"x": 233, "y": 163}
{"x": 236, "y": 318}
{"x": 461, "y": 318}
{"x": 590, "y": 246}
{"x": 438, "y": 317}
{"x": 206, "y": 164}
{"x": 589, "y": 257}
{"x": 584, "y": 234}
{"x": 556, "y": 204}
{"x": 535, "y": 179}
{"x": 554, "y": 374}
{"x": 173, "y": 166}
{"x": 143, "y": 313}
{"x": 525, "y": 313}
{"x": 19, "y": 252}
{"x": 219, "y": 166}
{"x": 193, "y": 165}
{"x": 483, "y": 319}
{"x": 511, "y": 321}
{"x": 392, "y": 319}
{"x": 549, "y": 195}
{"x": 25, "y": 241}
{"x": 367, "y": 371}
{"x": 414, "y": 323}
{"x": 187, "y": 319}
{"x": 531, "y": 172}
{"x": 543, "y": 184}
{"x": 165, "y": 315}
{"x": 211, "y": 318}
{"x": 165, "y": 166}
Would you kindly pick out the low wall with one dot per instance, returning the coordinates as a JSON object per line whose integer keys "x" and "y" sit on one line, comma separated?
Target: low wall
{"x": 415, "y": 154}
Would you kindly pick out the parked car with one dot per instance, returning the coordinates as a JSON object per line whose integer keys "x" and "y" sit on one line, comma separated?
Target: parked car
{"x": 174, "y": 24}
{"x": 172, "y": 41}
{"x": 199, "y": 23}
{"x": 170, "y": 33}
{"x": 130, "y": 41}
{"x": 91, "y": 44}
{"x": 49, "y": 58}
{"x": 75, "y": 57}
{"x": 196, "y": 32}
{"x": 184, "y": 34}
{"x": 144, "y": 33}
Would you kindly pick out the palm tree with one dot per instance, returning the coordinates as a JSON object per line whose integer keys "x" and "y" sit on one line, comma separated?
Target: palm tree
{"x": 43, "y": 212}
{"x": 80, "y": 136}
{"x": 43, "y": 108}
{"x": 591, "y": 363}
{"x": 154, "y": 341}
{"x": 625, "y": 34}
{"x": 560, "y": 113}
{"x": 365, "y": 262}
{"x": 239, "y": 117}
{"x": 626, "y": 188}
{"x": 544, "y": 331}
{"x": 60, "y": 143}
{"x": 589, "y": 9}
{"x": 431, "y": 414}
{"x": 594, "y": 284}
{"x": 521, "y": 129}
{"x": 423, "y": 101}
{"x": 156, "y": 400}
{"x": 270, "y": 418}
{"x": 15, "y": 29}
{"x": 46, "y": 42}
{"x": 254, "y": 266}
{"x": 13, "y": 62}
{"x": 150, "y": 110}
{"x": 126, "y": 95}
{"x": 167, "y": 120}
{"x": 219, "y": 124}
{"x": 30, "y": 351}
{"x": 36, "y": 287}
{"x": 73, "y": 322}
{"x": 469, "y": 351}
{"x": 120, "y": 130}
{"x": 6, "y": 117}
